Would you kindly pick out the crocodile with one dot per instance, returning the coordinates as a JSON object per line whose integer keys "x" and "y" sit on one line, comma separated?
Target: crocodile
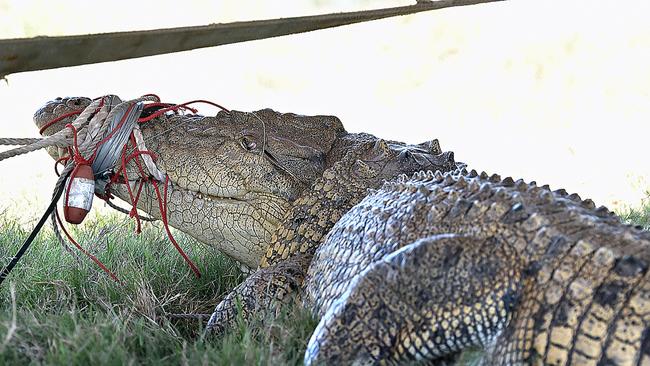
{"x": 430, "y": 265}
{"x": 399, "y": 269}
{"x": 234, "y": 176}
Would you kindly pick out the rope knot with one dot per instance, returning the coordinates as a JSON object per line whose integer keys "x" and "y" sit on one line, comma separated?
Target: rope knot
{"x": 77, "y": 157}
{"x": 124, "y": 138}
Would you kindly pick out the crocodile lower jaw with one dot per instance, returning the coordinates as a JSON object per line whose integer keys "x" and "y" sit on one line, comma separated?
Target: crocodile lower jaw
{"x": 217, "y": 199}
{"x": 192, "y": 195}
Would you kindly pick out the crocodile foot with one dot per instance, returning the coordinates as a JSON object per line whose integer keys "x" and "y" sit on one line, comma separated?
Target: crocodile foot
{"x": 262, "y": 294}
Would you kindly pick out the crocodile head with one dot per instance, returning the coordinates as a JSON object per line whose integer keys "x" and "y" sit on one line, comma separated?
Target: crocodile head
{"x": 231, "y": 177}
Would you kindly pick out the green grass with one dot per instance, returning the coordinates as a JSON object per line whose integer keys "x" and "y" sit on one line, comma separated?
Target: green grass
{"x": 69, "y": 313}
{"x": 638, "y": 216}
{"x": 66, "y": 312}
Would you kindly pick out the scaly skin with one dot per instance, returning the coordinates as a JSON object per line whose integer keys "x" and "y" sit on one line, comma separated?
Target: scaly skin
{"x": 425, "y": 267}
{"x": 417, "y": 270}
{"x": 367, "y": 165}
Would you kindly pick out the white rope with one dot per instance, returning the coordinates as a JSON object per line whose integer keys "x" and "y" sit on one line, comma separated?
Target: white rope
{"x": 90, "y": 131}
{"x": 96, "y": 124}
{"x": 148, "y": 161}
{"x": 62, "y": 138}
{"x": 18, "y": 140}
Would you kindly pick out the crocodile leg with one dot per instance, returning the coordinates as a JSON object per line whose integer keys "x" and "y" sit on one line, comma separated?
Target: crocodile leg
{"x": 283, "y": 268}
{"x": 424, "y": 302}
{"x": 263, "y": 293}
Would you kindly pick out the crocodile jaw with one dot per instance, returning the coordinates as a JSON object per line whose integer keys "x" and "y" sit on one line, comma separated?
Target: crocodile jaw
{"x": 233, "y": 218}
{"x": 239, "y": 227}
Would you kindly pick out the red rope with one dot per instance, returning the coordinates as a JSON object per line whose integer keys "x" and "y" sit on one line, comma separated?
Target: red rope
{"x": 134, "y": 198}
{"x": 50, "y": 123}
{"x": 169, "y": 105}
{"x": 121, "y": 175}
{"x": 136, "y": 154}
{"x": 177, "y": 106}
{"x": 162, "y": 202}
{"x": 113, "y": 132}
{"x": 81, "y": 249}
{"x": 134, "y": 201}
{"x": 63, "y": 161}
{"x": 163, "y": 213}
{"x": 77, "y": 157}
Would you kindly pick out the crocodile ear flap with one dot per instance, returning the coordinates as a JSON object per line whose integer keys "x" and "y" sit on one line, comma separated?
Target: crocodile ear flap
{"x": 433, "y": 147}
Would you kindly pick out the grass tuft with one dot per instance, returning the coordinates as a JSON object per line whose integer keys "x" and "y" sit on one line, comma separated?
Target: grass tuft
{"x": 638, "y": 216}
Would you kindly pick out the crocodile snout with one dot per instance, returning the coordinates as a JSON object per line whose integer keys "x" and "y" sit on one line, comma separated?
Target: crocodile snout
{"x": 56, "y": 108}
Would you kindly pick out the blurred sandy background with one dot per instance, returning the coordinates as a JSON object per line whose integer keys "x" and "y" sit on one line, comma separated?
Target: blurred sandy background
{"x": 552, "y": 91}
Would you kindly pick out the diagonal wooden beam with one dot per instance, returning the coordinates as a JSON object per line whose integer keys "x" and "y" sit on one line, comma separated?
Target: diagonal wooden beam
{"x": 40, "y": 53}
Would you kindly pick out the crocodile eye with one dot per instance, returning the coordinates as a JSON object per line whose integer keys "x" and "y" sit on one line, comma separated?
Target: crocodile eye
{"x": 247, "y": 143}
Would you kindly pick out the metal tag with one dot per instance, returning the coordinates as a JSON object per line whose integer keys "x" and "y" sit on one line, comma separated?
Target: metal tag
{"x": 81, "y": 193}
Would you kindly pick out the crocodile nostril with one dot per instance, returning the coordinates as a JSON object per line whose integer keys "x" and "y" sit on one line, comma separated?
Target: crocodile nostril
{"x": 58, "y": 99}
{"x": 72, "y": 103}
